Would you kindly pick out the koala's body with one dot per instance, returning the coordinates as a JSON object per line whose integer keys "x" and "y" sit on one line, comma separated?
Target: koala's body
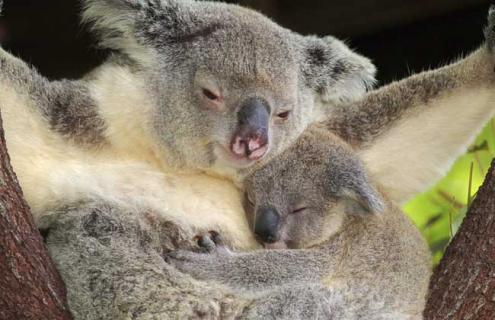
{"x": 349, "y": 254}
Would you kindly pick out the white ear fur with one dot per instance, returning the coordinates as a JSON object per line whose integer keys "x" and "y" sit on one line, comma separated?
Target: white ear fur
{"x": 114, "y": 23}
{"x": 335, "y": 72}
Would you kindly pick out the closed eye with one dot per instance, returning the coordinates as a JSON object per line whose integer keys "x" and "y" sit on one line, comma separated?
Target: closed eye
{"x": 283, "y": 115}
{"x": 299, "y": 210}
{"x": 210, "y": 95}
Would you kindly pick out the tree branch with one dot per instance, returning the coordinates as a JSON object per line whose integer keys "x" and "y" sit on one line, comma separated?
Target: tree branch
{"x": 30, "y": 287}
{"x": 463, "y": 284}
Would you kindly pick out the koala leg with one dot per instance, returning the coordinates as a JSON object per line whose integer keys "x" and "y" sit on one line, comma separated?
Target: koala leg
{"x": 111, "y": 262}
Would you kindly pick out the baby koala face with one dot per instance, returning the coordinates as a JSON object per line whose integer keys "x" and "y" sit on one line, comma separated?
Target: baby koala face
{"x": 301, "y": 197}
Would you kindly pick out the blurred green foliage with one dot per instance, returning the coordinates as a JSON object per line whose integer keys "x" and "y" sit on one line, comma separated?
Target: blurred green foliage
{"x": 439, "y": 212}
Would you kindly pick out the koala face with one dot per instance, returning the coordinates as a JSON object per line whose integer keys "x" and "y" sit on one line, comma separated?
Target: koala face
{"x": 301, "y": 197}
{"x": 229, "y": 86}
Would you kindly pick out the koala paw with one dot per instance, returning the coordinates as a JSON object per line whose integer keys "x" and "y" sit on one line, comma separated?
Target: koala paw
{"x": 201, "y": 264}
{"x": 211, "y": 242}
{"x": 490, "y": 29}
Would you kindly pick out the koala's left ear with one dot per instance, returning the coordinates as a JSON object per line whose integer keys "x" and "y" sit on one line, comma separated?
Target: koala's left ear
{"x": 362, "y": 198}
{"x": 333, "y": 70}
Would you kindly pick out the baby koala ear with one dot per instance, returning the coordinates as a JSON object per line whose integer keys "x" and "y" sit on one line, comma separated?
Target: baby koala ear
{"x": 362, "y": 198}
{"x": 333, "y": 70}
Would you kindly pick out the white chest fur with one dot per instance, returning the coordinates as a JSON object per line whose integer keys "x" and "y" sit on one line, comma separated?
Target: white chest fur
{"x": 54, "y": 173}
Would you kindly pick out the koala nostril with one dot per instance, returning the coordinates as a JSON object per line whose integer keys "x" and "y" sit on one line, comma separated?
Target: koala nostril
{"x": 266, "y": 237}
{"x": 239, "y": 146}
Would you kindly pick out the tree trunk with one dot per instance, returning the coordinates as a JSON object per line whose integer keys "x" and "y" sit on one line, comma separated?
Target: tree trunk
{"x": 30, "y": 287}
{"x": 463, "y": 284}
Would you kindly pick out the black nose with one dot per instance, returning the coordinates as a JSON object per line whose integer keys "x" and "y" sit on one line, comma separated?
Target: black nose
{"x": 267, "y": 224}
{"x": 251, "y": 137}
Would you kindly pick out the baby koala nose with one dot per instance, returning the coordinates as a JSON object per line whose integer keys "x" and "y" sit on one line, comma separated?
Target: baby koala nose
{"x": 251, "y": 137}
{"x": 266, "y": 225}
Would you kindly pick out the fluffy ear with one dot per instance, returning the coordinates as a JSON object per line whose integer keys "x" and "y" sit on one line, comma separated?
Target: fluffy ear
{"x": 136, "y": 26}
{"x": 333, "y": 70}
{"x": 362, "y": 198}
{"x": 114, "y": 23}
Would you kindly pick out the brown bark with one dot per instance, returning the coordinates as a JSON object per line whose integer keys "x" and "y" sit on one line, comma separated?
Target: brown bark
{"x": 30, "y": 287}
{"x": 463, "y": 284}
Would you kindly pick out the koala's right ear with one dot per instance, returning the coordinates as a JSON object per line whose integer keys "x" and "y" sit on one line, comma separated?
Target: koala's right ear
{"x": 332, "y": 70}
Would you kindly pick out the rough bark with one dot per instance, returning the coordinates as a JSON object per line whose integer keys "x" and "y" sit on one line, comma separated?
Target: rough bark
{"x": 463, "y": 284}
{"x": 30, "y": 287}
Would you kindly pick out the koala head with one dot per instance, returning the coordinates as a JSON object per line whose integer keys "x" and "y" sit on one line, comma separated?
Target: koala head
{"x": 229, "y": 86}
{"x": 301, "y": 197}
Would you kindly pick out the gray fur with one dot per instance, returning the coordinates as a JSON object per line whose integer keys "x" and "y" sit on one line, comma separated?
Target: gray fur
{"x": 111, "y": 262}
{"x": 489, "y": 31}
{"x": 361, "y": 123}
{"x": 373, "y": 267}
{"x": 66, "y": 105}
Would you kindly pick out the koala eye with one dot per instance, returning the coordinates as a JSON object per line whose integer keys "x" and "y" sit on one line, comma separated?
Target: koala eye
{"x": 283, "y": 115}
{"x": 210, "y": 95}
{"x": 299, "y": 210}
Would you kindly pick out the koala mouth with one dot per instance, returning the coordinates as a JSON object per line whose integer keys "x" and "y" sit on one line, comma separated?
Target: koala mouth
{"x": 225, "y": 154}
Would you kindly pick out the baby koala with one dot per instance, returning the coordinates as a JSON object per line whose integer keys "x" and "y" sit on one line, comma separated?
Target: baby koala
{"x": 344, "y": 251}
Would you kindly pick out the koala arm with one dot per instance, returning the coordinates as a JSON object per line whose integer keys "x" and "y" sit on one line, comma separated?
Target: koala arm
{"x": 67, "y": 106}
{"x": 111, "y": 263}
{"x": 256, "y": 270}
{"x": 410, "y": 132}
{"x": 315, "y": 301}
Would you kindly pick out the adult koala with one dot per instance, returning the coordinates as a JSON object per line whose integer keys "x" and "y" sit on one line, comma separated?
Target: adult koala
{"x": 191, "y": 86}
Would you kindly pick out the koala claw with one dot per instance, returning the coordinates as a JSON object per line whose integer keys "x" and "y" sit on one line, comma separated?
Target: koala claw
{"x": 211, "y": 241}
{"x": 490, "y": 29}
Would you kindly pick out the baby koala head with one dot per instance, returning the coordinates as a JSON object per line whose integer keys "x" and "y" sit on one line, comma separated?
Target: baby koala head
{"x": 300, "y": 198}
